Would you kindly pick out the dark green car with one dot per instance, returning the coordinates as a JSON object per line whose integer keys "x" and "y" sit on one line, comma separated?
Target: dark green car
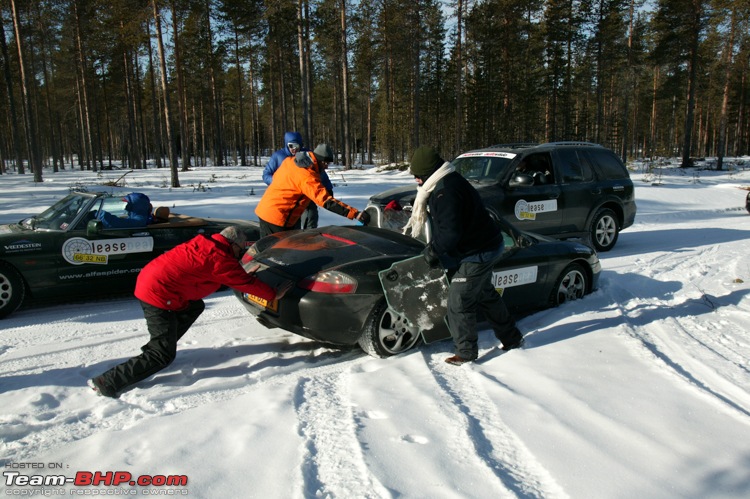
{"x": 66, "y": 253}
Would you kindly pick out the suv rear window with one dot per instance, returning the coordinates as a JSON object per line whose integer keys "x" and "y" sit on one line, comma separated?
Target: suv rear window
{"x": 609, "y": 165}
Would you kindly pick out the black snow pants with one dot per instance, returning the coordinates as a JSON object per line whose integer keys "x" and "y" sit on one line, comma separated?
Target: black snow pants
{"x": 166, "y": 327}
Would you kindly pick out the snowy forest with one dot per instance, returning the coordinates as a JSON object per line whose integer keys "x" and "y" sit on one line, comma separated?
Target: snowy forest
{"x": 98, "y": 84}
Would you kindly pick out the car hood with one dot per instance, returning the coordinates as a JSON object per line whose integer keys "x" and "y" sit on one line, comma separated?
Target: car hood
{"x": 303, "y": 252}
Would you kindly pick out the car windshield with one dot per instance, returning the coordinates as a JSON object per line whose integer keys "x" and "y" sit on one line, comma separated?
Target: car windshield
{"x": 61, "y": 214}
{"x": 481, "y": 168}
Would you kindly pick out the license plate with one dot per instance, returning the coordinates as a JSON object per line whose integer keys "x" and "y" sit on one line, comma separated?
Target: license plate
{"x": 262, "y": 302}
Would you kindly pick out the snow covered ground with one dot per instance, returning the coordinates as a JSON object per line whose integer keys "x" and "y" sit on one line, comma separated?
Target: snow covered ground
{"x": 639, "y": 390}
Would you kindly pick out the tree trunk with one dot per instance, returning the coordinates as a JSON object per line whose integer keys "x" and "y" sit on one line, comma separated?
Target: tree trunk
{"x": 652, "y": 134}
{"x": 725, "y": 100}
{"x": 692, "y": 84}
{"x": 345, "y": 91}
{"x": 88, "y": 142}
{"x": 107, "y": 120}
{"x": 154, "y": 103}
{"x": 167, "y": 104}
{"x": 132, "y": 146}
{"x": 254, "y": 113}
{"x": 459, "y": 77}
{"x": 219, "y": 141}
{"x": 34, "y": 160}
{"x": 303, "y": 71}
{"x": 630, "y": 70}
{"x": 240, "y": 103}
{"x": 12, "y": 104}
{"x": 181, "y": 100}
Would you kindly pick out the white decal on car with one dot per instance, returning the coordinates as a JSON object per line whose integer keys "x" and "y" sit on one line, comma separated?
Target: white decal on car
{"x": 514, "y": 277}
{"x": 78, "y": 250}
{"x": 488, "y": 154}
{"x": 527, "y": 211}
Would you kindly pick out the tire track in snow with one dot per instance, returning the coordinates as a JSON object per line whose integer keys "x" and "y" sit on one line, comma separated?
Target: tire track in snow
{"x": 333, "y": 464}
{"x": 496, "y": 447}
{"x": 677, "y": 355}
{"x": 51, "y": 429}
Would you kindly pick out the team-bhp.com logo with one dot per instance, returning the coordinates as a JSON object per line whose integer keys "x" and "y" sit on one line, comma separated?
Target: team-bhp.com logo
{"x": 100, "y": 479}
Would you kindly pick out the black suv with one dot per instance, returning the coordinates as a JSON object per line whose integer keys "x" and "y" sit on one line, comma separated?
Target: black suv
{"x": 560, "y": 189}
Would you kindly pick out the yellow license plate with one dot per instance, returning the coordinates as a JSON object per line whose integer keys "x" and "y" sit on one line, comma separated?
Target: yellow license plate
{"x": 270, "y": 305}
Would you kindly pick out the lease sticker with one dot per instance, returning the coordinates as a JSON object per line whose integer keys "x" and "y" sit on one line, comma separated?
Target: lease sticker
{"x": 527, "y": 211}
{"x": 515, "y": 277}
{"x": 78, "y": 250}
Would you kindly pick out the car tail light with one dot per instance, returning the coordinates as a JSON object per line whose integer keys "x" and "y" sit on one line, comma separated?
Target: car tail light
{"x": 330, "y": 281}
{"x": 248, "y": 256}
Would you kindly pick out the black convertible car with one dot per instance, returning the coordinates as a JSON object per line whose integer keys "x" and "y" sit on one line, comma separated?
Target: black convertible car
{"x": 338, "y": 298}
{"x": 66, "y": 253}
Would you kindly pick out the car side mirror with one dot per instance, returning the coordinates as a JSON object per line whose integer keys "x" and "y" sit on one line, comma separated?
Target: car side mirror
{"x": 94, "y": 227}
{"x": 521, "y": 180}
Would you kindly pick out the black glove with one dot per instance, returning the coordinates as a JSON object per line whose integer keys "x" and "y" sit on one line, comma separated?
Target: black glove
{"x": 364, "y": 217}
{"x": 431, "y": 257}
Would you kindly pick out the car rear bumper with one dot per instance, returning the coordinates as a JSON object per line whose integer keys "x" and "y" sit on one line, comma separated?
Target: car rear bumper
{"x": 335, "y": 319}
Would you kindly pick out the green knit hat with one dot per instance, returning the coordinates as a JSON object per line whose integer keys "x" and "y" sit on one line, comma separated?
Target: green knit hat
{"x": 424, "y": 161}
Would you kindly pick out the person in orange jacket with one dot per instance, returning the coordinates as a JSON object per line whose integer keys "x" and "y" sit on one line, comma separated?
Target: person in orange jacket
{"x": 296, "y": 184}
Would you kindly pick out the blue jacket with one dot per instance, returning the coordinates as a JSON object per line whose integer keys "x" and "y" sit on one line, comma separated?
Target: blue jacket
{"x": 279, "y": 156}
{"x": 139, "y": 213}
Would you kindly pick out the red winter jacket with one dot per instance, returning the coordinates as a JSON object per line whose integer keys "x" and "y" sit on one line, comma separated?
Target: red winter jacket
{"x": 194, "y": 270}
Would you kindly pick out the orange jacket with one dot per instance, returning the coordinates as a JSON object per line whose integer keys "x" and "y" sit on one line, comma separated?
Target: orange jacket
{"x": 295, "y": 183}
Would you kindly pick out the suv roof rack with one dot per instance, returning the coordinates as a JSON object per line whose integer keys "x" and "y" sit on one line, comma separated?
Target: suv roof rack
{"x": 572, "y": 143}
{"x": 514, "y": 145}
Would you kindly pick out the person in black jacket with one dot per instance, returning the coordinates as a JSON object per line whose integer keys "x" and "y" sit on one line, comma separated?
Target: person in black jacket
{"x": 466, "y": 242}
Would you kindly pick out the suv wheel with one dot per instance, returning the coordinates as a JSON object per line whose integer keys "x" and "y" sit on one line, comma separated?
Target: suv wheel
{"x": 604, "y": 230}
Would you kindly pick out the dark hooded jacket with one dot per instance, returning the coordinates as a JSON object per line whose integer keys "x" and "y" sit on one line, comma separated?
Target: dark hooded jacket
{"x": 139, "y": 213}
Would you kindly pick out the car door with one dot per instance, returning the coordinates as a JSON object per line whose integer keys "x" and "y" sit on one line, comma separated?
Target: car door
{"x": 521, "y": 274}
{"x": 107, "y": 258}
{"x": 536, "y": 207}
{"x": 580, "y": 192}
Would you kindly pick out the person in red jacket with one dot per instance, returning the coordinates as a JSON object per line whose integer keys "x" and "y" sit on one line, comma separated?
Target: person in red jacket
{"x": 171, "y": 289}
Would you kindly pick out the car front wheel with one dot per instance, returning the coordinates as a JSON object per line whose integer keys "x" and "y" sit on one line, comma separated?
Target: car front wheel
{"x": 604, "y": 230}
{"x": 387, "y": 333}
{"x": 12, "y": 290}
{"x": 571, "y": 285}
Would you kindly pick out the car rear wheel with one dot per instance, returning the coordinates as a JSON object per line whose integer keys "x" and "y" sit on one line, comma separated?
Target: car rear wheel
{"x": 12, "y": 290}
{"x": 571, "y": 285}
{"x": 604, "y": 230}
{"x": 388, "y": 333}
